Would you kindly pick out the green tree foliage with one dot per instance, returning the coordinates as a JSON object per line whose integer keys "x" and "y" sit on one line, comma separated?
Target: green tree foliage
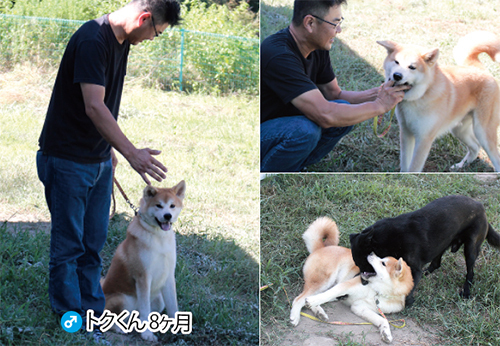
{"x": 215, "y": 49}
{"x": 238, "y": 21}
{"x": 64, "y": 9}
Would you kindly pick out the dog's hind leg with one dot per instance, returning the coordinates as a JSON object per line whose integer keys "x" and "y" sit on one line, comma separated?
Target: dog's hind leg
{"x": 486, "y": 132}
{"x": 471, "y": 251}
{"x": 299, "y": 303}
{"x": 465, "y": 133}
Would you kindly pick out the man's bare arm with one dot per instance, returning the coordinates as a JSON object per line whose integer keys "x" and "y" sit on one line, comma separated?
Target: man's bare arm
{"x": 141, "y": 160}
{"x": 327, "y": 114}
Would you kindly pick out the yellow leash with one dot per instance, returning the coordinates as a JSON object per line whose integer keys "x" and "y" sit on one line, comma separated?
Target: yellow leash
{"x": 377, "y": 121}
{"x": 392, "y": 323}
{"x": 335, "y": 322}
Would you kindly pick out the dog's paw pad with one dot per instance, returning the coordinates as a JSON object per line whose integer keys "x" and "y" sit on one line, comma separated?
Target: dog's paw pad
{"x": 386, "y": 336}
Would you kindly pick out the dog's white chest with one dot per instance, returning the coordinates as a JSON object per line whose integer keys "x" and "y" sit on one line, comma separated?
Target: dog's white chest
{"x": 420, "y": 120}
{"x": 160, "y": 261}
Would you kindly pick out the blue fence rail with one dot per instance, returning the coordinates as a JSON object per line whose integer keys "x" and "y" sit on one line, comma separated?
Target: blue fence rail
{"x": 178, "y": 60}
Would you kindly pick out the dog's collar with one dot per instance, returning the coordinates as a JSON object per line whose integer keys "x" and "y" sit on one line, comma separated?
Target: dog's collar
{"x": 141, "y": 218}
{"x": 139, "y": 214}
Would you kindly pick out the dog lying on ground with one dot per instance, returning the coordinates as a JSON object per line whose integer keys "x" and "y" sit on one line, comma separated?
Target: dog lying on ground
{"x": 141, "y": 274}
{"x": 462, "y": 99}
{"x": 424, "y": 235}
{"x": 330, "y": 275}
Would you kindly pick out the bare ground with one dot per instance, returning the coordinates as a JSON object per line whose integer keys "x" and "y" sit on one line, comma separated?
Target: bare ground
{"x": 314, "y": 333}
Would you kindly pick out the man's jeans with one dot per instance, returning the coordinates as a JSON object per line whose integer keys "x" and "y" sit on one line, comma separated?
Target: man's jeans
{"x": 78, "y": 197}
{"x": 289, "y": 144}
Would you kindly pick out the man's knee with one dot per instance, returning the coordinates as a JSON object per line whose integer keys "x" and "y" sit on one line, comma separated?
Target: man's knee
{"x": 309, "y": 133}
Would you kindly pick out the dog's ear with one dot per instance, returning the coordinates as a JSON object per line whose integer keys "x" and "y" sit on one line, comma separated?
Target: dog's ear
{"x": 431, "y": 56}
{"x": 399, "y": 267}
{"x": 389, "y": 45}
{"x": 149, "y": 192}
{"x": 367, "y": 234}
{"x": 180, "y": 189}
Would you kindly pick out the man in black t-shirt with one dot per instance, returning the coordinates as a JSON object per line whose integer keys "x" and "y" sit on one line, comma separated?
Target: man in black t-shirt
{"x": 299, "y": 124}
{"x": 75, "y": 158}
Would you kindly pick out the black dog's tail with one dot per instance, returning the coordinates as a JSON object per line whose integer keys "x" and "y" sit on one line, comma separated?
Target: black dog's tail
{"x": 493, "y": 237}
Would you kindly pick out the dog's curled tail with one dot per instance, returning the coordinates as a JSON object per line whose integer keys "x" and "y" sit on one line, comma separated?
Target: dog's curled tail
{"x": 322, "y": 232}
{"x": 493, "y": 237}
{"x": 471, "y": 45}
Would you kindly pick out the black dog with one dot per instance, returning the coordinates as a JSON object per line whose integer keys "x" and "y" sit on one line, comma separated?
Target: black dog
{"x": 424, "y": 235}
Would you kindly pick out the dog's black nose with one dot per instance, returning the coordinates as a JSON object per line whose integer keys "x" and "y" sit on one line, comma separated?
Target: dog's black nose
{"x": 397, "y": 76}
{"x": 167, "y": 217}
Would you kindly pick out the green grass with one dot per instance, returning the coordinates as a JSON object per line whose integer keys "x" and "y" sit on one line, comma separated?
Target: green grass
{"x": 357, "y": 61}
{"x": 210, "y": 142}
{"x": 289, "y": 203}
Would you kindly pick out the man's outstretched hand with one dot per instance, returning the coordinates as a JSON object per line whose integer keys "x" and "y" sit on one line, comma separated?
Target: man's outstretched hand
{"x": 145, "y": 164}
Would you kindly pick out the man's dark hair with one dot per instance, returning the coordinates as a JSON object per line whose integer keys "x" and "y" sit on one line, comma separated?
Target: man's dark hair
{"x": 320, "y": 8}
{"x": 163, "y": 11}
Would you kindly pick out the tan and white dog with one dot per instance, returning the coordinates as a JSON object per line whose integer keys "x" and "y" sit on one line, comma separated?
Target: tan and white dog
{"x": 462, "y": 99}
{"x": 141, "y": 274}
{"x": 330, "y": 275}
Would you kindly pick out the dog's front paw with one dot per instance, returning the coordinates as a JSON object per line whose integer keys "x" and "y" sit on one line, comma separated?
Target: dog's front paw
{"x": 320, "y": 313}
{"x": 149, "y": 336}
{"x": 456, "y": 167}
{"x": 385, "y": 334}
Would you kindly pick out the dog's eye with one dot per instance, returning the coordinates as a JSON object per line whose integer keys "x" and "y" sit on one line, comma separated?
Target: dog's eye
{"x": 397, "y": 62}
{"x": 411, "y": 67}
{"x": 172, "y": 206}
{"x": 383, "y": 263}
{"x": 159, "y": 206}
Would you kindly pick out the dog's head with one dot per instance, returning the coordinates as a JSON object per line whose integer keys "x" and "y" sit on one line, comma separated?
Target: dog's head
{"x": 409, "y": 65}
{"x": 361, "y": 247}
{"x": 391, "y": 276}
{"x": 160, "y": 207}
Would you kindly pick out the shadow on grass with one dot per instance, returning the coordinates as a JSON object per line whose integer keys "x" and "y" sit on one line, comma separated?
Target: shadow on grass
{"x": 216, "y": 280}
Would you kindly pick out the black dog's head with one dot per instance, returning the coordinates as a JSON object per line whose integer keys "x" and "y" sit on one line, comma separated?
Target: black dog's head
{"x": 361, "y": 247}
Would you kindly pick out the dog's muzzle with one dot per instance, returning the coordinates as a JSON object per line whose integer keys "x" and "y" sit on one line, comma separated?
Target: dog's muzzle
{"x": 165, "y": 226}
{"x": 398, "y": 77}
{"x": 365, "y": 276}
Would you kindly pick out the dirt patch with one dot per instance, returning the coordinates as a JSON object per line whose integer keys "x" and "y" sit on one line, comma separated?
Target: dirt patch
{"x": 487, "y": 177}
{"x": 310, "y": 332}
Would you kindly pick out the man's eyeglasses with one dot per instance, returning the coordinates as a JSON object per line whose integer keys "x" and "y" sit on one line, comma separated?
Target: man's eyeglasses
{"x": 154, "y": 26}
{"x": 334, "y": 24}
